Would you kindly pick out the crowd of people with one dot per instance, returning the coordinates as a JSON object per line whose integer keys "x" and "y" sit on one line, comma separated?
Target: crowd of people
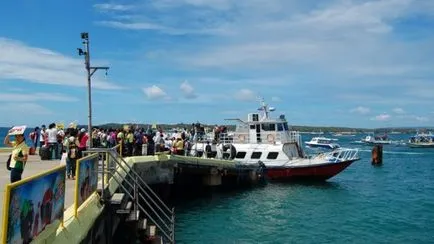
{"x": 54, "y": 141}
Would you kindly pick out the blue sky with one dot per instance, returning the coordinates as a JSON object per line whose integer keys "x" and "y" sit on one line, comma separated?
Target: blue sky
{"x": 348, "y": 63}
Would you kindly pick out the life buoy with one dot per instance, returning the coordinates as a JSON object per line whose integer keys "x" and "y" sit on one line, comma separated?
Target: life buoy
{"x": 242, "y": 138}
{"x": 270, "y": 138}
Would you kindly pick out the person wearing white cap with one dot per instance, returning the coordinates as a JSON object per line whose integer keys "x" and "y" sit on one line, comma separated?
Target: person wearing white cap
{"x": 19, "y": 156}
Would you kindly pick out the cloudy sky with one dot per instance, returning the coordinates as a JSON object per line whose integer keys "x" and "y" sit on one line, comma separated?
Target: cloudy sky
{"x": 354, "y": 63}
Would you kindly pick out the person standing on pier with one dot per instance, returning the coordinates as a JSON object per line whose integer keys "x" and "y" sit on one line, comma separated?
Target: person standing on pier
{"x": 19, "y": 156}
{"x": 34, "y": 137}
{"x": 42, "y": 138}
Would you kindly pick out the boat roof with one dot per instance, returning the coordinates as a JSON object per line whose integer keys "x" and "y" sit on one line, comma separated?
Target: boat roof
{"x": 265, "y": 116}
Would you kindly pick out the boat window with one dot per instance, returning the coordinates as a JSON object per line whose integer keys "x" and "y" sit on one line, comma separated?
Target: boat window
{"x": 256, "y": 155}
{"x": 240, "y": 155}
{"x": 252, "y": 127}
{"x": 272, "y": 155}
{"x": 269, "y": 127}
{"x": 279, "y": 127}
{"x": 285, "y": 125}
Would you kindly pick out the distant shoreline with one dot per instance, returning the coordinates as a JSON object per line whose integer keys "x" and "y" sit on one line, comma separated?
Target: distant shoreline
{"x": 300, "y": 128}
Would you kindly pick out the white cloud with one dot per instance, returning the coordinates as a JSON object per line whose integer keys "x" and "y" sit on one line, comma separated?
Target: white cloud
{"x": 382, "y": 117}
{"x": 19, "y": 61}
{"x": 187, "y": 90}
{"x": 421, "y": 119}
{"x": 231, "y": 112}
{"x": 38, "y": 96}
{"x": 24, "y": 108}
{"x": 131, "y": 26}
{"x": 154, "y": 92}
{"x": 24, "y": 113}
{"x": 112, "y": 7}
{"x": 276, "y": 99}
{"x": 246, "y": 95}
{"x": 281, "y": 33}
{"x": 398, "y": 111}
{"x": 360, "y": 110}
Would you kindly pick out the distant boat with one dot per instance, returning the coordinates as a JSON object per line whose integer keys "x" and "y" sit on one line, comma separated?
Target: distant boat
{"x": 421, "y": 140}
{"x": 323, "y": 142}
{"x": 344, "y": 134}
{"x": 376, "y": 140}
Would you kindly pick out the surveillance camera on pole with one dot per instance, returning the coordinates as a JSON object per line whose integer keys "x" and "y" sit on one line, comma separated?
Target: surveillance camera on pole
{"x": 90, "y": 71}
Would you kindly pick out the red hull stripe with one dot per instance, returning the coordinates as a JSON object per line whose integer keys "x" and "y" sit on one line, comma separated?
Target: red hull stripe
{"x": 319, "y": 172}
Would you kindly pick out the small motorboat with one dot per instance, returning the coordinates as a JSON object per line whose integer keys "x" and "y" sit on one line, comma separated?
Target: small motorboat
{"x": 322, "y": 142}
{"x": 376, "y": 140}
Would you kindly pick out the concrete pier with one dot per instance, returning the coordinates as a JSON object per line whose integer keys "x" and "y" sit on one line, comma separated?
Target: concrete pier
{"x": 97, "y": 220}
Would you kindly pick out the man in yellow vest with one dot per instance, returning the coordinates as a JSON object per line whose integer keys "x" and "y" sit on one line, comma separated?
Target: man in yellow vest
{"x": 18, "y": 158}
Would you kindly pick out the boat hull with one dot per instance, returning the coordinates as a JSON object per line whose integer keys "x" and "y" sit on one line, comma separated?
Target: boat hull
{"x": 326, "y": 146}
{"x": 421, "y": 145}
{"x": 320, "y": 172}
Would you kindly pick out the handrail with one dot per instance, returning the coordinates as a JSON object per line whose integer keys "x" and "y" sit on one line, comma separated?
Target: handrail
{"x": 147, "y": 195}
{"x": 143, "y": 183}
{"x": 342, "y": 154}
{"x": 169, "y": 237}
{"x": 145, "y": 192}
{"x": 166, "y": 216}
{"x": 263, "y": 137}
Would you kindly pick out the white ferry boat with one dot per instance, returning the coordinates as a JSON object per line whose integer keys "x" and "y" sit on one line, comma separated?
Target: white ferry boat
{"x": 421, "y": 140}
{"x": 270, "y": 141}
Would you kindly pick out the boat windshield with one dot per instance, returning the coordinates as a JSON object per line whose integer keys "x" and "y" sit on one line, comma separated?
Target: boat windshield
{"x": 268, "y": 127}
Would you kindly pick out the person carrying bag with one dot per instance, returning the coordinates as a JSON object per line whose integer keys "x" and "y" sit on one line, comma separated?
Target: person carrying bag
{"x": 20, "y": 153}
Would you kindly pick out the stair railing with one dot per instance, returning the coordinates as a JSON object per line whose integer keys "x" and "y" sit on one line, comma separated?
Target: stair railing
{"x": 142, "y": 191}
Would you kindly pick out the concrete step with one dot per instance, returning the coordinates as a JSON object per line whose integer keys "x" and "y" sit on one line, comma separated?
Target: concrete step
{"x": 151, "y": 231}
{"x": 142, "y": 224}
{"x": 117, "y": 198}
{"x": 133, "y": 216}
{"x": 125, "y": 210}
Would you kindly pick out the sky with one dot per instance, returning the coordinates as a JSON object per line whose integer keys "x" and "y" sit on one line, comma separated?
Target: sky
{"x": 352, "y": 63}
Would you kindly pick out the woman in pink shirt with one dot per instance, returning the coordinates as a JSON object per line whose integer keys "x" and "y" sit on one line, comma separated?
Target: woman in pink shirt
{"x": 83, "y": 137}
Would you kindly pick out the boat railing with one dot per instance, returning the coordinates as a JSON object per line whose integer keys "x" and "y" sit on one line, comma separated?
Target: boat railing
{"x": 341, "y": 155}
{"x": 264, "y": 137}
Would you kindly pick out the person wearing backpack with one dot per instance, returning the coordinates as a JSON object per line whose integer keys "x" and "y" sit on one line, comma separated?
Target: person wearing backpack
{"x": 71, "y": 146}
{"x": 19, "y": 156}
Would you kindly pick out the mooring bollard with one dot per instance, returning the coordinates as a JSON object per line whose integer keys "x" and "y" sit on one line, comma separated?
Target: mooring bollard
{"x": 377, "y": 154}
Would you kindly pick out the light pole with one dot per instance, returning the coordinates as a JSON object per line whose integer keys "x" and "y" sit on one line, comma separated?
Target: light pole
{"x": 90, "y": 71}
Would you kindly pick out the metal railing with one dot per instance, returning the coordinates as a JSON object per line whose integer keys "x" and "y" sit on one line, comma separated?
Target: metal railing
{"x": 263, "y": 137}
{"x": 341, "y": 155}
{"x": 145, "y": 199}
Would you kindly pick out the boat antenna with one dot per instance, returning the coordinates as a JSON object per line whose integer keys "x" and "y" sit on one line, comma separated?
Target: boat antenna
{"x": 264, "y": 108}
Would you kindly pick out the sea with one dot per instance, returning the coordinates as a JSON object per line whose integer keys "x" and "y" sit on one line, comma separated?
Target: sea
{"x": 391, "y": 203}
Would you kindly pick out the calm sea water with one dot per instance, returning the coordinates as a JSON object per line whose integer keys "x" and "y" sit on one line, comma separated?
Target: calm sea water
{"x": 393, "y": 203}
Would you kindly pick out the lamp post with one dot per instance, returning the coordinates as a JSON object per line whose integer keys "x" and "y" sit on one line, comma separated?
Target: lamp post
{"x": 90, "y": 71}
